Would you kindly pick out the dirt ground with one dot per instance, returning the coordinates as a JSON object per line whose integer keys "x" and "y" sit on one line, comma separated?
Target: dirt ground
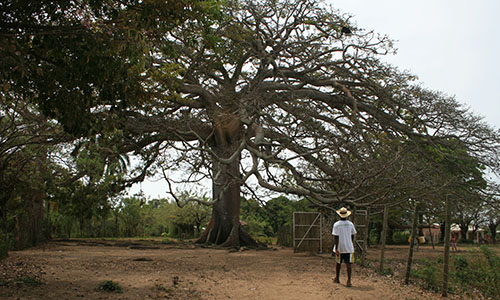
{"x": 74, "y": 269}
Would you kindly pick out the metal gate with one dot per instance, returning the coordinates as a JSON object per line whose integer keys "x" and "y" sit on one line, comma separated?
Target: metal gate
{"x": 361, "y": 219}
{"x": 307, "y": 232}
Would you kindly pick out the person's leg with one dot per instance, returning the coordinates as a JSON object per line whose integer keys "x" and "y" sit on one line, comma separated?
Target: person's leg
{"x": 337, "y": 273}
{"x": 349, "y": 271}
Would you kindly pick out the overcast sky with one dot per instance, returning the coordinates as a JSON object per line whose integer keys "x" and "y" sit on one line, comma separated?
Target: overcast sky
{"x": 453, "y": 46}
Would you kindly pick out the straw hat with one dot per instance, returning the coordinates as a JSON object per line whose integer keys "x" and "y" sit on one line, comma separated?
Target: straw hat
{"x": 343, "y": 212}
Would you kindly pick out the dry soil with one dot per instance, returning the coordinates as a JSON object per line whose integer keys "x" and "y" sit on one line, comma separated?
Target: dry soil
{"x": 74, "y": 269}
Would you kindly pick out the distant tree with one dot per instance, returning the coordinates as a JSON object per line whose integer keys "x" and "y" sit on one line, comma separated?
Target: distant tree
{"x": 280, "y": 211}
{"x": 191, "y": 217}
{"x": 254, "y": 216}
{"x": 492, "y": 216}
{"x": 130, "y": 215}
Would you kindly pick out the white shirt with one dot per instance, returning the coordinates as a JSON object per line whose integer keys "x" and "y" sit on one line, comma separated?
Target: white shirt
{"x": 344, "y": 229}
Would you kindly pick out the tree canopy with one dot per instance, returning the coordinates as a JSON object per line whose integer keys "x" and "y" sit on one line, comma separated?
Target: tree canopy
{"x": 272, "y": 94}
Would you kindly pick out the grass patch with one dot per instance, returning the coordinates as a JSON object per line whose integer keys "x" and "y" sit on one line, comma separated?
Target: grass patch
{"x": 22, "y": 281}
{"x": 478, "y": 271}
{"x": 427, "y": 271}
{"x": 27, "y": 280}
{"x": 109, "y": 286}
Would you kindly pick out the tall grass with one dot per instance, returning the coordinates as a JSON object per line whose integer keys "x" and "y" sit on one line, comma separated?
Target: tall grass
{"x": 481, "y": 272}
{"x": 474, "y": 270}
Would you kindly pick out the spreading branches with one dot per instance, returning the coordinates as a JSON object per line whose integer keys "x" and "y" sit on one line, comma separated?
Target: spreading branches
{"x": 269, "y": 93}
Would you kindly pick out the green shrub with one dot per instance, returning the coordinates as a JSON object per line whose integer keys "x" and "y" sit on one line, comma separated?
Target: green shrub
{"x": 109, "y": 286}
{"x": 463, "y": 274}
{"x": 27, "y": 280}
{"x": 153, "y": 229}
{"x": 257, "y": 228}
{"x": 480, "y": 272}
{"x": 400, "y": 237}
{"x": 491, "y": 277}
{"x": 427, "y": 271}
{"x": 373, "y": 237}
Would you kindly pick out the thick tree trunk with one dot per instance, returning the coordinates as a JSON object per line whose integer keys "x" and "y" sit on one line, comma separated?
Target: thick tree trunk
{"x": 224, "y": 226}
{"x": 493, "y": 229}
{"x": 37, "y": 218}
{"x": 464, "y": 228}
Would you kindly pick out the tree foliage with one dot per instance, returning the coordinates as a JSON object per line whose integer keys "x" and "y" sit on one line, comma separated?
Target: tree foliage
{"x": 252, "y": 95}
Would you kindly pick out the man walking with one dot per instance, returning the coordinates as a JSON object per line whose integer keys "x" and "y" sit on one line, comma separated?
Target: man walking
{"x": 343, "y": 232}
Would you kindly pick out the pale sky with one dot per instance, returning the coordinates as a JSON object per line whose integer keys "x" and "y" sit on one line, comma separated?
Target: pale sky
{"x": 453, "y": 46}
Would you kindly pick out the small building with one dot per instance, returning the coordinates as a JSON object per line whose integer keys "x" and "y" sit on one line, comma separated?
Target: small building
{"x": 434, "y": 231}
{"x": 477, "y": 236}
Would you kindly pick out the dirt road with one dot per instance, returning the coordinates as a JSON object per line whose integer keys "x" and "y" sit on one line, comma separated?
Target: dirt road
{"x": 74, "y": 269}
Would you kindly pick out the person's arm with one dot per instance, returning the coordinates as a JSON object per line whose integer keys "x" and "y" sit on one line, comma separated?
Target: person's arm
{"x": 336, "y": 241}
{"x": 353, "y": 233}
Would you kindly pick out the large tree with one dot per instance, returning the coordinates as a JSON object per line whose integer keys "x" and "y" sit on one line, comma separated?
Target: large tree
{"x": 287, "y": 95}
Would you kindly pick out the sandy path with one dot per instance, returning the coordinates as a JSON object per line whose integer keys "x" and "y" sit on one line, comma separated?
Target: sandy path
{"x": 73, "y": 271}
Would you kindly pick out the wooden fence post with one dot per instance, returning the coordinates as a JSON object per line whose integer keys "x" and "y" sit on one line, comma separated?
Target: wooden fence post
{"x": 412, "y": 242}
{"x": 365, "y": 236}
{"x": 384, "y": 234}
{"x": 444, "y": 290}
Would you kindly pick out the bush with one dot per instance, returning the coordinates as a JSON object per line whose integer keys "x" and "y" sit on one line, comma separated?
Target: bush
{"x": 462, "y": 272}
{"x": 427, "y": 271}
{"x": 490, "y": 283}
{"x": 479, "y": 272}
{"x": 27, "y": 280}
{"x": 373, "y": 237}
{"x": 257, "y": 228}
{"x": 109, "y": 286}
{"x": 400, "y": 237}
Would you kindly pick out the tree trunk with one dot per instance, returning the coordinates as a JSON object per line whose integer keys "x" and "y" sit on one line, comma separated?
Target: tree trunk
{"x": 37, "y": 217}
{"x": 493, "y": 228}
{"x": 384, "y": 235}
{"x": 224, "y": 226}
{"x": 4, "y": 237}
{"x": 442, "y": 226}
{"x": 412, "y": 243}
{"x": 431, "y": 236}
{"x": 464, "y": 228}
{"x": 444, "y": 288}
